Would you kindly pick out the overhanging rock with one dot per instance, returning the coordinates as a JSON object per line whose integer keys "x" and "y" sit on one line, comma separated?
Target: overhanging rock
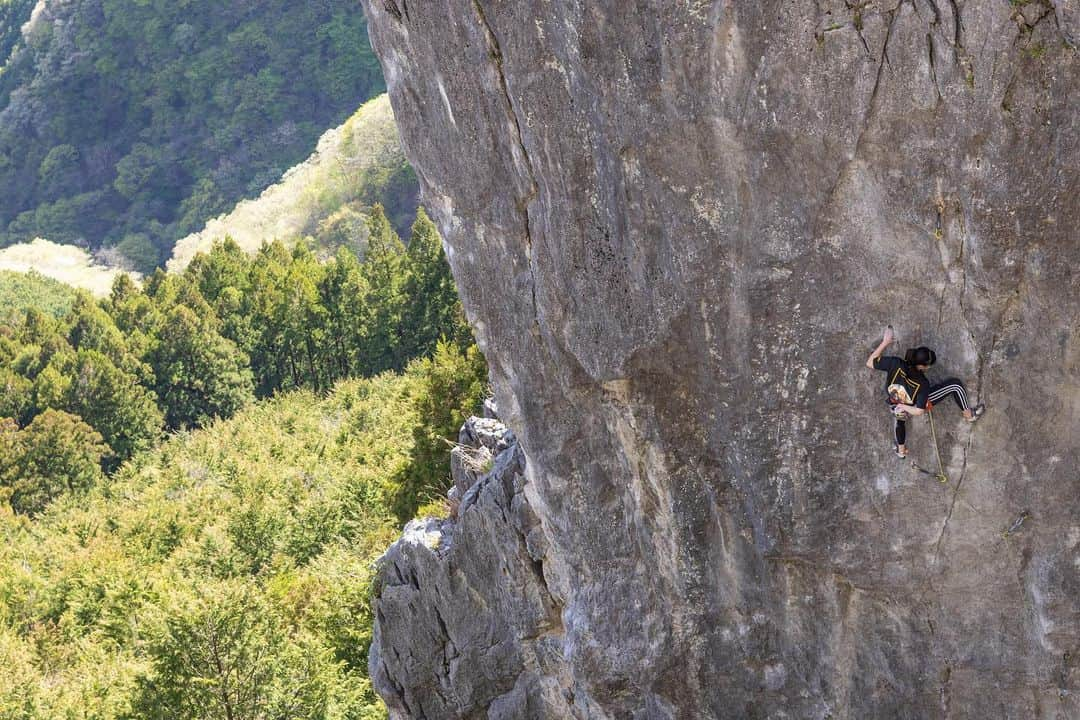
{"x": 679, "y": 229}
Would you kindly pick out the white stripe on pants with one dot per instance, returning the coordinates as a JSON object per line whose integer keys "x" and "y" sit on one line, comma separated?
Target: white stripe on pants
{"x": 946, "y": 390}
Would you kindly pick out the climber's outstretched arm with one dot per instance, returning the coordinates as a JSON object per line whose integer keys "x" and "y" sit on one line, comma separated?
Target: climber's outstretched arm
{"x": 886, "y": 341}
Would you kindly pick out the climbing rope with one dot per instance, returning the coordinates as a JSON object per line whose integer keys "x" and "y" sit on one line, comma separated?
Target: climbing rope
{"x": 937, "y": 449}
{"x": 940, "y": 474}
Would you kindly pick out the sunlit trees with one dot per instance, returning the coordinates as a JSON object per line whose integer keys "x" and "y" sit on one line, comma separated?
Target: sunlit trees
{"x": 188, "y": 348}
{"x": 199, "y": 375}
{"x": 228, "y": 572}
{"x": 450, "y": 386}
{"x": 383, "y": 299}
{"x": 17, "y": 701}
{"x": 224, "y": 652}
{"x": 432, "y": 309}
{"x": 132, "y": 124}
{"x": 87, "y": 383}
{"x": 15, "y": 393}
{"x": 55, "y": 453}
{"x": 341, "y": 292}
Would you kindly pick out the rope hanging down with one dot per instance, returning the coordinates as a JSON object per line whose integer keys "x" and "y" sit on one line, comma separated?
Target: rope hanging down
{"x": 940, "y": 474}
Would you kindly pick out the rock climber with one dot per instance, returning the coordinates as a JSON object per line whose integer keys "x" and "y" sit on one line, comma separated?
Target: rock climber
{"x": 909, "y": 391}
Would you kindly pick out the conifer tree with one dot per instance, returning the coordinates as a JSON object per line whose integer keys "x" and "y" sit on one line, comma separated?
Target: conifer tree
{"x": 383, "y": 272}
{"x": 271, "y": 361}
{"x": 111, "y": 399}
{"x": 15, "y": 394}
{"x": 225, "y": 654}
{"x": 90, "y": 327}
{"x": 199, "y": 375}
{"x": 55, "y": 453}
{"x": 432, "y": 309}
{"x": 452, "y": 384}
{"x": 341, "y": 293}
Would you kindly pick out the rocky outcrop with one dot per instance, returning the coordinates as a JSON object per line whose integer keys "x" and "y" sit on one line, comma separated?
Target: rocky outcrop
{"x": 480, "y": 441}
{"x": 479, "y": 626}
{"x": 678, "y": 229}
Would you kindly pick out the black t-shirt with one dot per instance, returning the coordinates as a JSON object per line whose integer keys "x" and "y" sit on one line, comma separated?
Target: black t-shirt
{"x": 904, "y": 384}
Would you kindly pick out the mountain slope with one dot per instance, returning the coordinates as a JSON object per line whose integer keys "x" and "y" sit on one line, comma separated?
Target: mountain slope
{"x": 21, "y": 291}
{"x": 131, "y": 123}
{"x": 326, "y": 196}
{"x": 69, "y": 265}
{"x": 250, "y": 542}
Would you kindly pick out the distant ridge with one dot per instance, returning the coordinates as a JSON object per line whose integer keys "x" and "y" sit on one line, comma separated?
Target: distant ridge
{"x": 361, "y": 161}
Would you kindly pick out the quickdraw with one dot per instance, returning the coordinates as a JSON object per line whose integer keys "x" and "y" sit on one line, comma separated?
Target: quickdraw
{"x": 1016, "y": 524}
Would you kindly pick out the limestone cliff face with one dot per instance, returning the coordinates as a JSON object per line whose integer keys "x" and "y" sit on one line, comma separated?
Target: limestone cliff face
{"x": 679, "y": 228}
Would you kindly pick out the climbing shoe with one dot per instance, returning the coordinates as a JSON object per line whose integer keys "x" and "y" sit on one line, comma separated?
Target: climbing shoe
{"x": 899, "y": 454}
{"x": 976, "y": 412}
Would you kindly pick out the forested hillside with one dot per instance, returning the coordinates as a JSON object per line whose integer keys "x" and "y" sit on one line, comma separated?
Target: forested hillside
{"x": 129, "y": 124}
{"x": 198, "y": 471}
{"x": 328, "y": 196}
{"x": 188, "y": 348}
{"x": 72, "y": 266}
{"x": 228, "y": 574}
{"x": 13, "y": 14}
{"x": 22, "y": 291}
{"x": 197, "y": 476}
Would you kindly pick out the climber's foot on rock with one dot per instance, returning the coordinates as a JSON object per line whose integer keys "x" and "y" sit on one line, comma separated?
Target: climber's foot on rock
{"x": 900, "y": 450}
{"x": 975, "y": 413}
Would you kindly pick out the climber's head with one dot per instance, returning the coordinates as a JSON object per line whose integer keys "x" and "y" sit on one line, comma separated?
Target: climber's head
{"x": 921, "y": 357}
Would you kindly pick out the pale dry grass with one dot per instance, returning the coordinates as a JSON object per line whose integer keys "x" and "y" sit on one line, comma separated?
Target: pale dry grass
{"x": 66, "y": 263}
{"x": 309, "y": 192}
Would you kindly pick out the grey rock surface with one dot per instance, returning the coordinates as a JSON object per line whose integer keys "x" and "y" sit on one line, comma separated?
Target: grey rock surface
{"x": 678, "y": 229}
{"x": 485, "y": 634}
{"x": 481, "y": 440}
{"x": 486, "y": 432}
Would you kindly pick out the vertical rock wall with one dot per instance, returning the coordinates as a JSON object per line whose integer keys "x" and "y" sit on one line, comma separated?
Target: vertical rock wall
{"x": 679, "y": 228}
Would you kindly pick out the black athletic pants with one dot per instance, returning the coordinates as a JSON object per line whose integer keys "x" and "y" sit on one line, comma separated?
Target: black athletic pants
{"x": 938, "y": 391}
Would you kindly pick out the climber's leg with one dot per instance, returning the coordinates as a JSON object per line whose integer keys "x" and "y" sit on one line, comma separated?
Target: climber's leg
{"x": 900, "y": 435}
{"x": 955, "y": 388}
{"x": 952, "y": 386}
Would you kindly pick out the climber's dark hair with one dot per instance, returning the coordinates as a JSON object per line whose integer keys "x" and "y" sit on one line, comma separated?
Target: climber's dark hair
{"x": 920, "y": 356}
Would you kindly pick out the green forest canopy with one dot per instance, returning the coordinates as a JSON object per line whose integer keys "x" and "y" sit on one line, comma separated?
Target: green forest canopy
{"x": 130, "y": 123}
{"x": 197, "y": 475}
{"x": 140, "y": 579}
{"x": 22, "y": 291}
{"x": 188, "y": 348}
{"x": 243, "y": 550}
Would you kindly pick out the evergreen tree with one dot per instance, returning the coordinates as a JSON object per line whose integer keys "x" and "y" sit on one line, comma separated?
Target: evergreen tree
{"x": 271, "y": 361}
{"x": 341, "y": 292}
{"x": 303, "y": 319}
{"x": 383, "y": 302}
{"x": 223, "y": 277}
{"x": 136, "y": 316}
{"x": 225, "y": 266}
{"x": 432, "y": 309}
{"x": 55, "y": 453}
{"x": 88, "y": 384}
{"x": 15, "y": 394}
{"x": 199, "y": 375}
{"x": 224, "y": 653}
{"x": 452, "y": 384}
{"x": 91, "y": 327}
